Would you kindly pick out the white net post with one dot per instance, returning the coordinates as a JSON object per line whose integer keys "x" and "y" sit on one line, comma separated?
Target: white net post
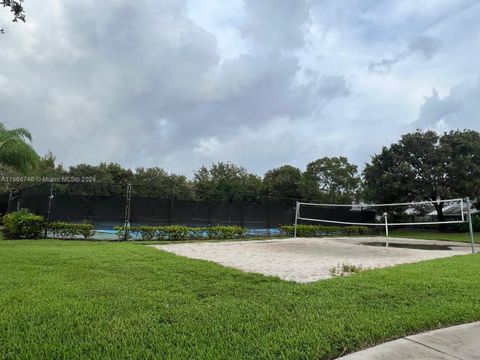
{"x": 385, "y": 215}
{"x": 470, "y": 225}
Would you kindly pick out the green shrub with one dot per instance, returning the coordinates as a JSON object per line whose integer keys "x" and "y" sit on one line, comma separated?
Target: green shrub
{"x": 122, "y": 232}
{"x": 463, "y": 227}
{"x": 323, "y": 230}
{"x": 65, "y": 230}
{"x": 145, "y": 233}
{"x": 355, "y": 230}
{"x": 61, "y": 229}
{"x": 23, "y": 224}
{"x": 224, "y": 232}
{"x": 86, "y": 230}
{"x": 195, "y": 233}
{"x": 178, "y": 232}
{"x": 174, "y": 232}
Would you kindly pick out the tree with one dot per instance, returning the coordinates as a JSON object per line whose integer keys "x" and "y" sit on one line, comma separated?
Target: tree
{"x": 16, "y": 150}
{"x": 462, "y": 160}
{"x": 283, "y": 181}
{"x": 157, "y": 182}
{"x": 109, "y": 179}
{"x": 99, "y": 187}
{"x": 426, "y": 166}
{"x": 116, "y": 177}
{"x": 330, "y": 179}
{"x": 16, "y": 7}
{"x": 225, "y": 181}
{"x": 47, "y": 167}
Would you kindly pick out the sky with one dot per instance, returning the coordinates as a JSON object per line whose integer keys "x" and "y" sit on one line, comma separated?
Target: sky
{"x": 261, "y": 83}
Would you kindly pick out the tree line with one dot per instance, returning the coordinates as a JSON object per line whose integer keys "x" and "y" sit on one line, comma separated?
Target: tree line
{"x": 422, "y": 165}
{"x": 326, "y": 179}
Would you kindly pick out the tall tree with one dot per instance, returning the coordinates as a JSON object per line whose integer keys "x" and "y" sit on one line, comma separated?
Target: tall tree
{"x": 462, "y": 162}
{"x": 225, "y": 181}
{"x": 99, "y": 187}
{"x": 48, "y": 168}
{"x": 116, "y": 177}
{"x": 426, "y": 166}
{"x": 16, "y": 8}
{"x": 330, "y": 179}
{"x": 283, "y": 181}
{"x": 16, "y": 150}
{"x": 157, "y": 182}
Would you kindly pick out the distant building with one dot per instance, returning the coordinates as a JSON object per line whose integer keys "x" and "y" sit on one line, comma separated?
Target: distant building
{"x": 454, "y": 210}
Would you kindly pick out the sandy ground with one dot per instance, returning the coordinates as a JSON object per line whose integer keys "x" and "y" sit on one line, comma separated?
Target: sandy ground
{"x": 310, "y": 259}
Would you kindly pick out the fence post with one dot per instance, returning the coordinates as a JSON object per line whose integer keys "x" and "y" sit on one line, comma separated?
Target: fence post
{"x": 9, "y": 200}
{"x": 172, "y": 204}
{"x": 209, "y": 208}
{"x": 19, "y": 201}
{"x": 470, "y": 226}
{"x": 126, "y": 226}
{"x": 242, "y": 222}
{"x": 268, "y": 215}
{"x": 50, "y": 198}
{"x": 229, "y": 210}
{"x": 170, "y": 209}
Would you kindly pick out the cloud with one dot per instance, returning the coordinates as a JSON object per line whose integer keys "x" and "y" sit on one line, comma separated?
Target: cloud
{"x": 424, "y": 46}
{"x": 330, "y": 87}
{"x": 457, "y": 110}
{"x": 276, "y": 24}
{"x": 181, "y": 83}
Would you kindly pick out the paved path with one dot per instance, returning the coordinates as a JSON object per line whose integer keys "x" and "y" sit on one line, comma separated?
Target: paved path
{"x": 457, "y": 342}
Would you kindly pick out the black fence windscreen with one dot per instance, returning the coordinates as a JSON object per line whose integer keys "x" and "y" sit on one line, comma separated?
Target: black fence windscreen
{"x": 343, "y": 214}
{"x": 105, "y": 212}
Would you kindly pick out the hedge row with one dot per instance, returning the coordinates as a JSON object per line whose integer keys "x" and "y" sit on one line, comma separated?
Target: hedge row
{"x": 322, "y": 230}
{"x": 22, "y": 224}
{"x": 66, "y": 230}
{"x": 178, "y": 232}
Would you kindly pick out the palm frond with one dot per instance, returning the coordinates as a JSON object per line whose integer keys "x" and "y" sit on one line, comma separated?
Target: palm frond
{"x": 15, "y": 151}
{"x": 21, "y": 133}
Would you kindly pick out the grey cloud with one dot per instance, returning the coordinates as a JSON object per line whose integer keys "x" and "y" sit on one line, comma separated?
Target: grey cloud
{"x": 133, "y": 82}
{"x": 385, "y": 65}
{"x": 121, "y": 85}
{"x": 425, "y": 46}
{"x": 330, "y": 87}
{"x": 457, "y": 110}
{"x": 142, "y": 84}
{"x": 276, "y": 23}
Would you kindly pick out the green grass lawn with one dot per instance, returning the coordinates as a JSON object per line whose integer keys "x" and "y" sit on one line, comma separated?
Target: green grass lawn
{"x": 431, "y": 235}
{"x": 100, "y": 300}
